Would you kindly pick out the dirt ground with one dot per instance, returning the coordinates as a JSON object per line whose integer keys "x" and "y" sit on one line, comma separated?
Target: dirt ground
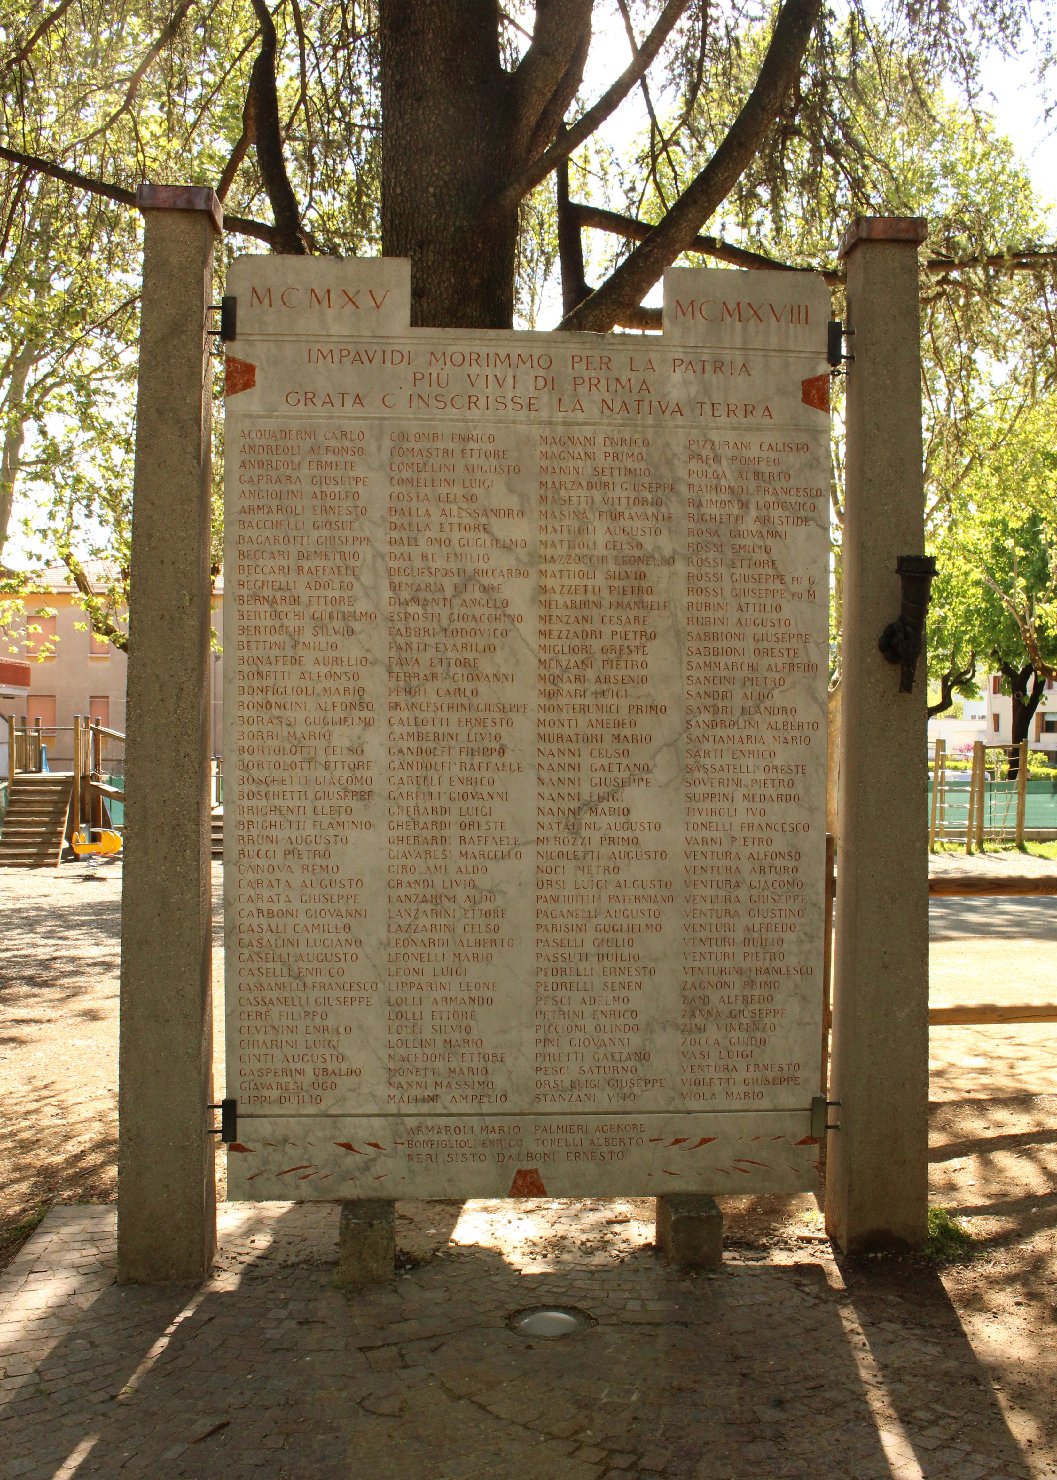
{"x": 993, "y": 1113}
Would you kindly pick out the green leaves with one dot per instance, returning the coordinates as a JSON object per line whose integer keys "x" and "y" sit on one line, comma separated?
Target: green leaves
{"x": 996, "y": 592}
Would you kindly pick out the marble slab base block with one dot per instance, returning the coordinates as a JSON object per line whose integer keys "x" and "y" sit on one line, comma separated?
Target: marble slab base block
{"x": 366, "y": 1243}
{"x": 526, "y": 654}
{"x": 689, "y": 1231}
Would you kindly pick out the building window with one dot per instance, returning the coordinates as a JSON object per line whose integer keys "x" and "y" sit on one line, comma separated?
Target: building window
{"x": 996, "y": 685}
{"x": 1049, "y": 724}
{"x": 99, "y": 710}
{"x": 994, "y": 723}
{"x": 40, "y": 708}
{"x": 41, "y": 633}
{"x": 98, "y": 647}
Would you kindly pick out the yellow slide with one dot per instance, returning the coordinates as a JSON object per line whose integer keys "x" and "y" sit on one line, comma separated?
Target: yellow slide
{"x": 106, "y": 842}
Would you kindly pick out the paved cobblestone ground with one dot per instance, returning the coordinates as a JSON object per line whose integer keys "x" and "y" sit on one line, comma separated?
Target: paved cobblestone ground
{"x": 779, "y": 1366}
{"x": 787, "y": 1362}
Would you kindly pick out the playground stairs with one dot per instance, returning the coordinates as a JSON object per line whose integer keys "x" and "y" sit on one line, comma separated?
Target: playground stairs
{"x": 34, "y": 825}
{"x": 217, "y": 832}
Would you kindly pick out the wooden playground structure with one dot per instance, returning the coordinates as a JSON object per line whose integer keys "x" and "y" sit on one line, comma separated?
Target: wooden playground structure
{"x": 47, "y": 807}
{"x": 51, "y": 805}
{"x": 981, "y": 804}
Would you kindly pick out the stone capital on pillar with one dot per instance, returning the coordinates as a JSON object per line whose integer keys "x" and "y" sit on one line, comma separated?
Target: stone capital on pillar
{"x": 911, "y": 230}
{"x": 182, "y": 198}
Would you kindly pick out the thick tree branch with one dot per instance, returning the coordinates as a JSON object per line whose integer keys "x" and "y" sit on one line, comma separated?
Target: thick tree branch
{"x": 629, "y": 283}
{"x": 1026, "y": 628}
{"x": 640, "y": 317}
{"x": 13, "y": 421}
{"x": 709, "y": 246}
{"x": 570, "y": 246}
{"x": 237, "y": 155}
{"x": 953, "y": 679}
{"x": 42, "y": 30}
{"x": 14, "y": 205}
{"x": 99, "y": 618}
{"x": 264, "y": 100}
{"x": 69, "y": 177}
{"x": 1024, "y": 703}
{"x": 244, "y": 225}
{"x": 549, "y": 73}
{"x": 1024, "y": 259}
{"x": 241, "y": 148}
{"x": 595, "y": 116}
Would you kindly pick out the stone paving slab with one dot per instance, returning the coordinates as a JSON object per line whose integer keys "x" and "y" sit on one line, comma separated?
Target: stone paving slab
{"x": 781, "y": 1366}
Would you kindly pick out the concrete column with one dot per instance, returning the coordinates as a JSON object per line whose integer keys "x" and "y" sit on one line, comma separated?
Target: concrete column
{"x": 876, "y": 1180}
{"x": 166, "y": 1189}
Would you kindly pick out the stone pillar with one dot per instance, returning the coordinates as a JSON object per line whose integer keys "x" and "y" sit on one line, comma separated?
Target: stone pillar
{"x": 166, "y": 1188}
{"x": 876, "y": 1182}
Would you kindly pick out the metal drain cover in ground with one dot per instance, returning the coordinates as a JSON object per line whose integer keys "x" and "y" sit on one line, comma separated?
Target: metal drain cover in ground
{"x": 549, "y": 1320}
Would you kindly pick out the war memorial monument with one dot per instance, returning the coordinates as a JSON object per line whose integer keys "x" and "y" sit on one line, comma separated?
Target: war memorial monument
{"x": 526, "y": 645}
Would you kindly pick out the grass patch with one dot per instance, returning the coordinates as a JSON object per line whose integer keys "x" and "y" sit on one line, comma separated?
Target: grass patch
{"x": 948, "y": 1241}
{"x": 12, "y": 1235}
{"x": 996, "y": 845}
{"x": 1042, "y": 850}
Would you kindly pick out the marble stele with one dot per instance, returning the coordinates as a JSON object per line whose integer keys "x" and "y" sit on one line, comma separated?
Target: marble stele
{"x": 526, "y": 657}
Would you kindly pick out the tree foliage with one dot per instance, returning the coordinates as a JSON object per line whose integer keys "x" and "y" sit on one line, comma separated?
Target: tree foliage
{"x": 479, "y": 138}
{"x": 996, "y": 593}
{"x": 876, "y": 134}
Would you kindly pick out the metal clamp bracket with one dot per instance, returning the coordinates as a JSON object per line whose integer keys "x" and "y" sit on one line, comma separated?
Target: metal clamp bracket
{"x": 228, "y": 310}
{"x": 227, "y": 1130}
{"x": 836, "y": 334}
{"x": 820, "y": 1122}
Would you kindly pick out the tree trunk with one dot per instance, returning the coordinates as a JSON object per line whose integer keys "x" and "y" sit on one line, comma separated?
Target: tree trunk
{"x": 446, "y": 154}
{"x": 14, "y": 436}
{"x": 1025, "y": 704}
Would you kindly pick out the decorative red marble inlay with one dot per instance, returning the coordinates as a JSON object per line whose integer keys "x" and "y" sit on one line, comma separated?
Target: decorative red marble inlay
{"x": 527, "y": 1183}
{"x": 239, "y": 375}
{"x": 815, "y": 392}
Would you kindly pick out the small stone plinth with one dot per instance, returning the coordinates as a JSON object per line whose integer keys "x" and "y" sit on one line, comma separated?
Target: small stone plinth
{"x": 689, "y": 1231}
{"x": 366, "y": 1243}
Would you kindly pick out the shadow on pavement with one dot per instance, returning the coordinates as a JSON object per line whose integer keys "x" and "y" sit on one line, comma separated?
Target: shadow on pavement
{"x": 936, "y": 1405}
{"x": 996, "y": 919}
{"x": 762, "y": 1370}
